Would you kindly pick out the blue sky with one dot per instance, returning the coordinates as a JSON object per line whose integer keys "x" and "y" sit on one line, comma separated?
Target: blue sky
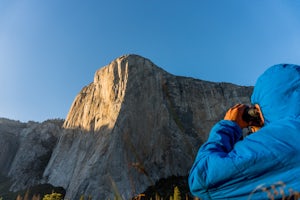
{"x": 50, "y": 49}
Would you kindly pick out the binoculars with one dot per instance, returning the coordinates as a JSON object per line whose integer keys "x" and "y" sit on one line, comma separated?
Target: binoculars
{"x": 251, "y": 115}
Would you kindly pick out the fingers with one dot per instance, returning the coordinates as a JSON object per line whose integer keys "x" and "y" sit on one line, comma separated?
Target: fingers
{"x": 235, "y": 114}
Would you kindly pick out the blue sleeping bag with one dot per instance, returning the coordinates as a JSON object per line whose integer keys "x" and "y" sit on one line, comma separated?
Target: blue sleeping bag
{"x": 265, "y": 164}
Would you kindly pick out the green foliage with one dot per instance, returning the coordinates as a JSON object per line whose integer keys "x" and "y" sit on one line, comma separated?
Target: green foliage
{"x": 53, "y": 196}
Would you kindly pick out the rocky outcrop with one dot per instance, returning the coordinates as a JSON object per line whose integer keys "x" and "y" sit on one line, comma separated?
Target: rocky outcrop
{"x": 9, "y": 142}
{"x": 26, "y": 149}
{"x": 133, "y": 125}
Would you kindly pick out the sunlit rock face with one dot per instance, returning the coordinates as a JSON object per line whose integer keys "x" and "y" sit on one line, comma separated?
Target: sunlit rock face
{"x": 98, "y": 104}
{"x": 134, "y": 124}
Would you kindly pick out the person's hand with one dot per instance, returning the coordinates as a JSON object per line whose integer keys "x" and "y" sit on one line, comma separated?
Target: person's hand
{"x": 235, "y": 114}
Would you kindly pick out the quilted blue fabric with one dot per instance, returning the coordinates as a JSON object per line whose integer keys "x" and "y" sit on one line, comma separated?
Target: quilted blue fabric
{"x": 264, "y": 163}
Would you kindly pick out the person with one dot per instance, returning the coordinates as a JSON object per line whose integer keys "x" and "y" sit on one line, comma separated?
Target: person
{"x": 264, "y": 164}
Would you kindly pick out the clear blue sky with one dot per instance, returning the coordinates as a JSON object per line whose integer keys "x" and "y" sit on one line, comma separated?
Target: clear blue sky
{"x": 50, "y": 49}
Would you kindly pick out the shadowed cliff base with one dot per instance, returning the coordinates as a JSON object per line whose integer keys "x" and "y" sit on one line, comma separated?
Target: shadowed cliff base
{"x": 164, "y": 188}
{"x": 37, "y": 190}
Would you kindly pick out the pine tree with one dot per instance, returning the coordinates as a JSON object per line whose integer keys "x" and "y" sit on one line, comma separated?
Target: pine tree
{"x": 81, "y": 197}
{"x": 177, "y": 194}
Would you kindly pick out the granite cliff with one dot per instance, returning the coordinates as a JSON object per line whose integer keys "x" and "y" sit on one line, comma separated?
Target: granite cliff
{"x": 132, "y": 126}
{"x": 25, "y": 151}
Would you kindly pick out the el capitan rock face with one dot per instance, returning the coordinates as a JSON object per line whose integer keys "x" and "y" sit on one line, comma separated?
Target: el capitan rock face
{"x": 133, "y": 125}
